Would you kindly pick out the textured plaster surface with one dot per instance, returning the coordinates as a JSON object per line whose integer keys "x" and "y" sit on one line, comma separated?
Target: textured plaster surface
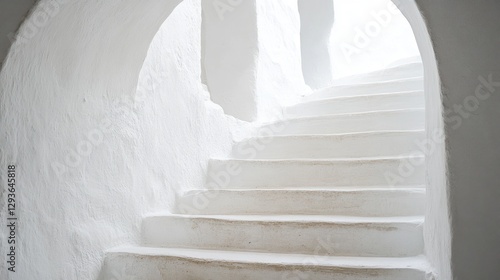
{"x": 97, "y": 141}
{"x": 279, "y": 74}
{"x": 230, "y": 55}
{"x": 465, "y": 39}
{"x": 61, "y": 85}
{"x": 316, "y": 22}
{"x": 437, "y": 231}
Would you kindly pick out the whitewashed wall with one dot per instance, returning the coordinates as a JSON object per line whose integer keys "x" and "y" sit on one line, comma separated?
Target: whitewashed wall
{"x": 93, "y": 155}
{"x": 464, "y": 35}
{"x": 252, "y": 56}
{"x": 279, "y": 74}
{"x": 316, "y": 22}
{"x": 437, "y": 227}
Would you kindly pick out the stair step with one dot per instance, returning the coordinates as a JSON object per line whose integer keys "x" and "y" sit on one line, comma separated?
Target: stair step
{"x": 400, "y": 85}
{"x": 343, "y": 236}
{"x": 407, "y": 119}
{"x": 387, "y": 143}
{"x": 358, "y": 104}
{"x": 360, "y": 172}
{"x": 189, "y": 264}
{"x": 405, "y": 71}
{"x": 368, "y": 202}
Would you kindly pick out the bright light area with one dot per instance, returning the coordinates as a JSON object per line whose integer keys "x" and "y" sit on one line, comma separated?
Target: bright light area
{"x": 369, "y": 35}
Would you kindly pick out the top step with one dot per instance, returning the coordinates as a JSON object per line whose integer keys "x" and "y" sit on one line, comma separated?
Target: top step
{"x": 405, "y": 71}
{"x": 189, "y": 264}
{"x": 400, "y": 85}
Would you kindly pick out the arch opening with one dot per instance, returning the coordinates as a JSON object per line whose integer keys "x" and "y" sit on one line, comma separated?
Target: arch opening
{"x": 62, "y": 84}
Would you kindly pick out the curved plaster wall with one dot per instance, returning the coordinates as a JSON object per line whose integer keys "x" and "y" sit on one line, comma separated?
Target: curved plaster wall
{"x": 97, "y": 141}
{"x": 47, "y": 102}
{"x": 464, "y": 35}
{"x": 280, "y": 81}
{"x": 230, "y": 55}
{"x": 437, "y": 232}
{"x": 252, "y": 57}
{"x": 316, "y": 22}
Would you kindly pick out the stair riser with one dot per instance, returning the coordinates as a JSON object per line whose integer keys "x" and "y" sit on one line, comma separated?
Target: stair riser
{"x": 344, "y": 203}
{"x": 283, "y": 174}
{"x": 365, "y": 89}
{"x": 123, "y": 266}
{"x": 357, "y": 123}
{"x": 324, "y": 147}
{"x": 362, "y": 240}
{"x": 413, "y": 100}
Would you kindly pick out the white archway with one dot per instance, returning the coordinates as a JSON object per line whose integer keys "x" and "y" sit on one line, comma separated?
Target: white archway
{"x": 437, "y": 231}
{"x": 58, "y": 88}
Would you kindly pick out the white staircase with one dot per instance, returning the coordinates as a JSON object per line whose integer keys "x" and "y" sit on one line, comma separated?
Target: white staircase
{"x": 310, "y": 201}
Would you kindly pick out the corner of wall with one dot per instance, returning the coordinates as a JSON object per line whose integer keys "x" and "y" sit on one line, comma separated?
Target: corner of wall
{"x": 437, "y": 228}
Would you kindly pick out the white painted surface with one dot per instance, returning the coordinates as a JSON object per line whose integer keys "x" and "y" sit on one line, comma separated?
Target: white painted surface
{"x": 406, "y": 119}
{"x": 395, "y": 235}
{"x": 405, "y": 70}
{"x": 69, "y": 81}
{"x": 252, "y": 56}
{"x": 315, "y": 173}
{"x": 357, "y": 104}
{"x": 231, "y": 51}
{"x": 316, "y": 23}
{"x": 437, "y": 231}
{"x": 66, "y": 88}
{"x": 369, "y": 35}
{"x": 293, "y": 220}
{"x": 357, "y": 89}
{"x": 279, "y": 78}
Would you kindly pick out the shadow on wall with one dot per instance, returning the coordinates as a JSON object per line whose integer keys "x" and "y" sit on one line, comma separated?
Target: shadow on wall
{"x": 12, "y": 14}
{"x": 316, "y": 23}
{"x": 251, "y": 56}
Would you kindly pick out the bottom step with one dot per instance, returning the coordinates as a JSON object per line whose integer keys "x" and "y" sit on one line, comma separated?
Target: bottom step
{"x": 189, "y": 264}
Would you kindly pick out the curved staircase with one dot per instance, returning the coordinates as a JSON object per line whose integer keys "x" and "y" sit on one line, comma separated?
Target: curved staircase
{"x": 309, "y": 198}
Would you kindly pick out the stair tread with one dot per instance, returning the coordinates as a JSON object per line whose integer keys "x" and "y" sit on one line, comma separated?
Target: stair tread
{"x": 341, "y": 135}
{"x": 367, "y": 113}
{"x": 369, "y": 87}
{"x": 375, "y": 83}
{"x": 418, "y": 262}
{"x": 300, "y": 218}
{"x": 323, "y": 161}
{"x": 340, "y": 98}
{"x": 333, "y": 188}
{"x": 415, "y": 189}
{"x": 381, "y": 72}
